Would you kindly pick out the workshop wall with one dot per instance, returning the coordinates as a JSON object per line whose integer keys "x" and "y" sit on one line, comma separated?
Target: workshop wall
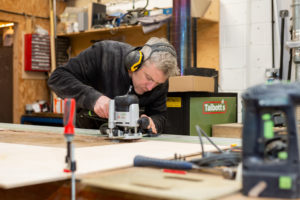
{"x": 25, "y": 90}
{"x": 246, "y": 43}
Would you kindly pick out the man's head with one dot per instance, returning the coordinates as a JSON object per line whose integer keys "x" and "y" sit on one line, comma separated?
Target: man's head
{"x": 159, "y": 62}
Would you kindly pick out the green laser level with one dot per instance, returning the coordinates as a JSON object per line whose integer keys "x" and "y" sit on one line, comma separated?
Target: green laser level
{"x": 271, "y": 154}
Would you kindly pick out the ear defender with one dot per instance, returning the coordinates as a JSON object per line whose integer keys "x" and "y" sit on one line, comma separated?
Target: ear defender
{"x": 162, "y": 47}
{"x": 134, "y": 59}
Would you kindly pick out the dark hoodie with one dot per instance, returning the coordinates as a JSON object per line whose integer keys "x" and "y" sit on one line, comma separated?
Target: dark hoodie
{"x": 100, "y": 70}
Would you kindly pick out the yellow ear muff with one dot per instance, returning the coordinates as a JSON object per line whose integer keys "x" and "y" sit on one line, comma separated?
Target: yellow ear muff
{"x": 136, "y": 65}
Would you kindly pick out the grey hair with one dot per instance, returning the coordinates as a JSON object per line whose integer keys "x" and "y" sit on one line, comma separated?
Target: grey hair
{"x": 163, "y": 60}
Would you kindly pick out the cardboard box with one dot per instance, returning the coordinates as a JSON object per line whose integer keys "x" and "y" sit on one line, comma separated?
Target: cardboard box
{"x": 199, "y": 7}
{"x": 206, "y": 9}
{"x": 191, "y": 84}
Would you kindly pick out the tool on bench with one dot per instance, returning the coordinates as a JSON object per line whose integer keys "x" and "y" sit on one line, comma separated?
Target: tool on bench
{"x": 208, "y": 163}
{"x": 143, "y": 127}
{"x": 123, "y": 117}
{"x": 124, "y": 122}
{"x": 143, "y": 161}
{"x": 271, "y": 157}
{"x": 69, "y": 125}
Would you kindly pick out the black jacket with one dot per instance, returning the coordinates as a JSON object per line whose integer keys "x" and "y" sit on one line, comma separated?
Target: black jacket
{"x": 100, "y": 70}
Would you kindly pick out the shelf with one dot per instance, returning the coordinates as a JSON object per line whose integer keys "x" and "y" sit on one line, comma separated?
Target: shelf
{"x": 118, "y": 29}
{"x": 102, "y": 30}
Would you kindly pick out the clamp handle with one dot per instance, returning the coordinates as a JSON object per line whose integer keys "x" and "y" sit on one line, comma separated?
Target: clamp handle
{"x": 69, "y": 116}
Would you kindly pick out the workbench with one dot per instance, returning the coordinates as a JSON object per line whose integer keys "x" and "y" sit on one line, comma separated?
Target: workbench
{"x": 107, "y": 184}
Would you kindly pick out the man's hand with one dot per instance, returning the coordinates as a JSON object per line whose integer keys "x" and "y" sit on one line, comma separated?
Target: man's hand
{"x": 151, "y": 124}
{"x": 101, "y": 107}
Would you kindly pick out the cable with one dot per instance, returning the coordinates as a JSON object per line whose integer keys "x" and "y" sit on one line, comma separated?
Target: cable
{"x": 103, "y": 127}
{"x": 23, "y": 14}
{"x": 200, "y": 138}
{"x": 203, "y": 132}
{"x": 146, "y": 5}
{"x": 228, "y": 159}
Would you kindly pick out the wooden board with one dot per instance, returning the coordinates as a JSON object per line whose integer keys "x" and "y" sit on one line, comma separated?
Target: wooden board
{"x": 234, "y": 130}
{"x": 49, "y": 139}
{"x": 231, "y": 130}
{"x": 157, "y": 184}
{"x": 22, "y": 165}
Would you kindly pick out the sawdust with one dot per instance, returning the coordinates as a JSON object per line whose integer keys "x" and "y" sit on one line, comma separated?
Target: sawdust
{"x": 51, "y": 139}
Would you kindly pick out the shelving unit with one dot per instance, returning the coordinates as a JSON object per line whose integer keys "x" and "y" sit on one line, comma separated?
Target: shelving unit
{"x": 130, "y": 34}
{"x": 207, "y": 43}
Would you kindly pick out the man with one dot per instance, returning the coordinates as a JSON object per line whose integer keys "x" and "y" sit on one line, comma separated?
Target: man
{"x": 110, "y": 68}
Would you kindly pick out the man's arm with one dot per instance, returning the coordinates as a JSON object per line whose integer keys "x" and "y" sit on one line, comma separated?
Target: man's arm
{"x": 158, "y": 109}
{"x": 101, "y": 107}
{"x": 75, "y": 79}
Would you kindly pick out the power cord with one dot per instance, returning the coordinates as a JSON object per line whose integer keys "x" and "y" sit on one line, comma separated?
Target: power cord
{"x": 223, "y": 158}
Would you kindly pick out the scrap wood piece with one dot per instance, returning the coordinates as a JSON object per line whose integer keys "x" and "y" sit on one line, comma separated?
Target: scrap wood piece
{"x": 146, "y": 182}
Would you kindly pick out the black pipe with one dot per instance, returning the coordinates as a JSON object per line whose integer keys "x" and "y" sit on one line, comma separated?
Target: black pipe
{"x": 181, "y": 33}
{"x": 291, "y": 56}
{"x": 281, "y": 48}
{"x": 283, "y": 14}
{"x": 195, "y": 41}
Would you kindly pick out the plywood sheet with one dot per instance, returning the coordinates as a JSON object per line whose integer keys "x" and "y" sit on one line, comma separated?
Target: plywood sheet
{"x": 22, "y": 165}
{"x": 49, "y": 139}
{"x": 157, "y": 184}
{"x": 27, "y": 165}
{"x": 233, "y": 130}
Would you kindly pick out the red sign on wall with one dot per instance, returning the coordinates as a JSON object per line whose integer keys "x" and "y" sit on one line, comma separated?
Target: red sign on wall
{"x": 37, "y": 53}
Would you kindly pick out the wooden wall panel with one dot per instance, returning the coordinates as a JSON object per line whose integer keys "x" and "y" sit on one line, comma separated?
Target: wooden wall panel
{"x": 33, "y": 7}
{"x": 207, "y": 38}
{"x": 25, "y": 90}
{"x": 208, "y": 45}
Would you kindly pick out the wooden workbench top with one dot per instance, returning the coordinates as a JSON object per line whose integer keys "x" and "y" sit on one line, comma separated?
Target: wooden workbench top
{"x": 42, "y": 154}
{"x": 37, "y": 151}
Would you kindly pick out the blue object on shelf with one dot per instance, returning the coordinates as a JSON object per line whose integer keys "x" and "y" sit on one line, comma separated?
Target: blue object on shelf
{"x": 167, "y": 11}
{"x": 41, "y": 120}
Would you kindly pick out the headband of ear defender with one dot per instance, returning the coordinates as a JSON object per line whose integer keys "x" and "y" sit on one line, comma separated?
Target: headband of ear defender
{"x": 135, "y": 58}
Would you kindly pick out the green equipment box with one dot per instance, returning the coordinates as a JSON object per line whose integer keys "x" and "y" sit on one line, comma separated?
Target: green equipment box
{"x": 187, "y": 109}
